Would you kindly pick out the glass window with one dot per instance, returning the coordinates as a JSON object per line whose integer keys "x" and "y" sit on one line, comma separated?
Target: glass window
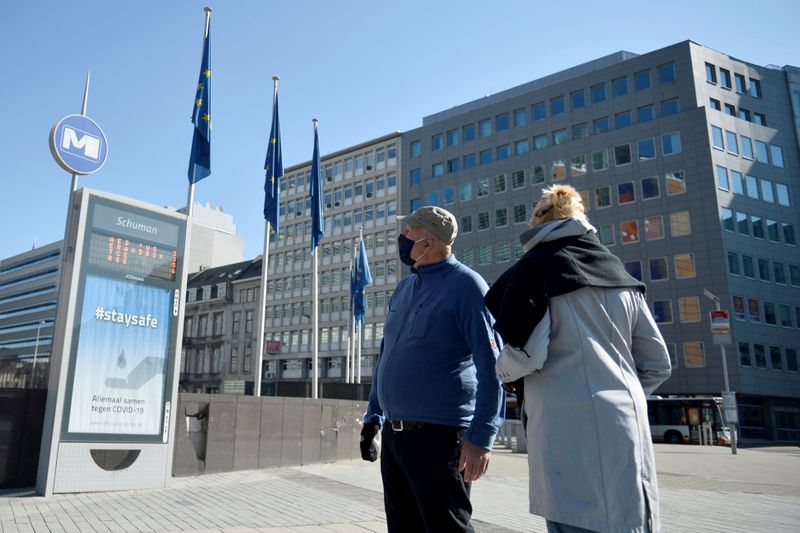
{"x": 684, "y": 266}
{"x": 775, "y": 358}
{"x": 641, "y": 80}
{"x": 777, "y": 155}
{"x": 579, "y": 131}
{"x": 727, "y": 219}
{"x": 600, "y": 160}
{"x": 577, "y": 165}
{"x": 606, "y": 234}
{"x": 453, "y": 165}
{"x": 760, "y": 119}
{"x": 733, "y": 263}
{"x": 788, "y": 234}
{"x": 733, "y": 143}
{"x": 711, "y": 73}
{"x": 559, "y": 170}
{"x": 671, "y": 143}
{"x": 620, "y": 86}
{"x": 452, "y": 138}
{"x": 744, "y": 354}
{"x": 754, "y": 310}
{"x": 485, "y": 128}
{"x": 730, "y": 109}
{"x": 503, "y": 151}
{"x": 600, "y": 125}
{"x": 538, "y": 111}
{"x": 557, "y": 105}
{"x": 622, "y": 120}
{"x": 670, "y": 107}
{"x": 630, "y": 231}
{"x": 468, "y": 257}
{"x": 634, "y": 268}
{"x": 518, "y": 179}
{"x": 740, "y": 83}
{"x": 521, "y": 147}
{"x": 465, "y": 192}
{"x": 784, "y": 316}
{"x": 537, "y": 174}
{"x": 437, "y": 142}
{"x": 598, "y": 93}
{"x": 761, "y": 152}
{"x": 748, "y": 267}
{"x": 791, "y": 359}
{"x": 755, "y": 88}
{"x": 766, "y": 191}
{"x": 714, "y": 104}
{"x": 501, "y": 122}
{"x": 449, "y": 195}
{"x": 520, "y": 213}
{"x": 722, "y": 178}
{"x": 744, "y": 114}
{"x": 485, "y": 156}
{"x": 646, "y": 149}
{"x": 650, "y": 188}
{"x": 468, "y": 132}
{"x": 783, "y": 194}
{"x": 747, "y": 147}
{"x": 485, "y": 255}
{"x": 769, "y": 314}
{"x": 737, "y": 182}
{"x": 679, "y": 224}
{"x": 501, "y": 217}
{"x": 716, "y": 138}
{"x": 482, "y": 187}
{"x": 520, "y": 117}
{"x": 725, "y": 78}
{"x": 503, "y": 252}
{"x": 437, "y": 169}
{"x": 500, "y": 183}
{"x": 662, "y": 311}
{"x": 622, "y": 154}
{"x": 693, "y": 354}
{"x": 666, "y": 73}
{"x": 602, "y": 197}
{"x": 415, "y": 148}
{"x": 646, "y": 113}
{"x": 763, "y": 270}
{"x": 778, "y": 273}
{"x": 577, "y": 99}
{"x": 742, "y": 225}
{"x": 658, "y": 269}
{"x": 752, "y": 186}
{"x": 540, "y": 141}
{"x": 469, "y": 161}
{"x": 415, "y": 177}
{"x": 626, "y": 193}
{"x": 483, "y": 220}
{"x": 690, "y": 308}
{"x": 654, "y": 227}
{"x": 415, "y": 204}
{"x": 560, "y": 136}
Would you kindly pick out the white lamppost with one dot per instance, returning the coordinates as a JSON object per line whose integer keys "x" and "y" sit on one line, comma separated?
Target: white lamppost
{"x": 711, "y": 296}
{"x": 36, "y": 353}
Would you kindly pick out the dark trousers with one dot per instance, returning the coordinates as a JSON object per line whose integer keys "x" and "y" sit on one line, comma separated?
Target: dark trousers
{"x": 422, "y": 487}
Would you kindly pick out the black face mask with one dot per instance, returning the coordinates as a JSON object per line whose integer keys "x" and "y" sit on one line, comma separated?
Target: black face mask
{"x": 404, "y": 247}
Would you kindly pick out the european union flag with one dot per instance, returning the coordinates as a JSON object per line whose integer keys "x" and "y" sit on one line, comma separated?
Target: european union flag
{"x": 317, "y": 222}
{"x": 361, "y": 278}
{"x": 274, "y": 171}
{"x": 200, "y": 158}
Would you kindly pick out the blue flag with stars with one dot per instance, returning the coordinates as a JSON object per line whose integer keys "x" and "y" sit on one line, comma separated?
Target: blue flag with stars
{"x": 361, "y": 278}
{"x": 274, "y": 171}
{"x": 317, "y": 222}
{"x": 200, "y": 158}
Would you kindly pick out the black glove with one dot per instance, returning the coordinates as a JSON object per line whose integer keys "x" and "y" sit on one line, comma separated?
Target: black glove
{"x": 369, "y": 448}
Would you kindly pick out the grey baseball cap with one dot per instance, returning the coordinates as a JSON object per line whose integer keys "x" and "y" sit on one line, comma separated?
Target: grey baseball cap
{"x": 439, "y": 222}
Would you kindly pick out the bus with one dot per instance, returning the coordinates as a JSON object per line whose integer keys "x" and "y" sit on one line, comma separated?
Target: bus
{"x": 678, "y": 420}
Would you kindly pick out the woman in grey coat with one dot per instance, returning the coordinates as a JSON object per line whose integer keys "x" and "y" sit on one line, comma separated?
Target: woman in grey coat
{"x": 577, "y": 329}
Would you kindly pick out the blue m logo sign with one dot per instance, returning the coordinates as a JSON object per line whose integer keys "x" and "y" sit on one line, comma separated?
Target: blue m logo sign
{"x": 81, "y": 144}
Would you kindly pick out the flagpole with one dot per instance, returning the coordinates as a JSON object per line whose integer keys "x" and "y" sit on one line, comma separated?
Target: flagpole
{"x": 315, "y": 356}
{"x": 350, "y": 344}
{"x": 190, "y": 195}
{"x": 357, "y": 362}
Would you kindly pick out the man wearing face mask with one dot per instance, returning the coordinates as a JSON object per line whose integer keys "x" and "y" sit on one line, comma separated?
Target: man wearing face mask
{"x": 435, "y": 392}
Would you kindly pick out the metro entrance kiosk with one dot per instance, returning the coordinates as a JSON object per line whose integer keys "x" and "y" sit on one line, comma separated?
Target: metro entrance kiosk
{"x": 113, "y": 379}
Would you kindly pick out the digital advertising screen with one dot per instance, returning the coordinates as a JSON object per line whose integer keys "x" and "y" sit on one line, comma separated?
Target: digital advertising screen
{"x": 124, "y": 341}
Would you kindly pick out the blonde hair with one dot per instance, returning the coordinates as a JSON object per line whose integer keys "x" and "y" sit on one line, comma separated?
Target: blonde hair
{"x": 558, "y": 202}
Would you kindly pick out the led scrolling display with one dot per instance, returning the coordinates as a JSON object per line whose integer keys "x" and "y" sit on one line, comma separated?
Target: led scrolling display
{"x": 130, "y": 256}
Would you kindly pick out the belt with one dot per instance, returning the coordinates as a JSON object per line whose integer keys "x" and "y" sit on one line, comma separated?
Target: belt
{"x": 406, "y": 425}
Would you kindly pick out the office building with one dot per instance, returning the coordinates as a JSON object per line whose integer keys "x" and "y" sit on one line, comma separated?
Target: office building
{"x": 687, "y": 160}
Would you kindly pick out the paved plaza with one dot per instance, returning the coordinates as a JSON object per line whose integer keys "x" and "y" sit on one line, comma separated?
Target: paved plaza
{"x": 703, "y": 489}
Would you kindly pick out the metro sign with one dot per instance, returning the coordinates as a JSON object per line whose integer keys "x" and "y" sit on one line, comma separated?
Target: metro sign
{"x": 78, "y": 144}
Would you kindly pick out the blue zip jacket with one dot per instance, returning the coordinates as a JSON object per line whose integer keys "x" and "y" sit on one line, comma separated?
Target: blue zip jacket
{"x": 438, "y": 354}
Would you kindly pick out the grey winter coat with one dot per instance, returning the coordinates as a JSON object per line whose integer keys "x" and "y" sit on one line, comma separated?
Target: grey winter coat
{"x": 589, "y": 449}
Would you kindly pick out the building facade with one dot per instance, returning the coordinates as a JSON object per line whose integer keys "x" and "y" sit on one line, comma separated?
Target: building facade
{"x": 687, "y": 160}
{"x": 360, "y": 191}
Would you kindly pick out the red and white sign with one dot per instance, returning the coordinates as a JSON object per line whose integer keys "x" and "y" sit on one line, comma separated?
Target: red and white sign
{"x": 720, "y": 322}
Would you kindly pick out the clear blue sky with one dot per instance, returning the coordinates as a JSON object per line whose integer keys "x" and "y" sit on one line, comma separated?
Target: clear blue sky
{"x": 363, "y": 68}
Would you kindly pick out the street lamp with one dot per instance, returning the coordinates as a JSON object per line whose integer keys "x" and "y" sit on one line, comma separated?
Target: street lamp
{"x": 711, "y": 296}
{"x": 36, "y": 353}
